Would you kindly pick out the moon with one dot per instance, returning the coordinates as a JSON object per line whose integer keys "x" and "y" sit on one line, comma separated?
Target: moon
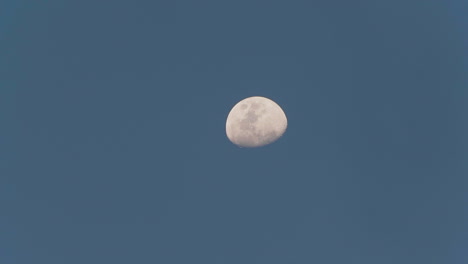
{"x": 255, "y": 121}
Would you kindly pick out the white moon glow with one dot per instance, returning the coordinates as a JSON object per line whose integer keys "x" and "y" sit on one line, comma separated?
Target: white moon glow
{"x": 255, "y": 122}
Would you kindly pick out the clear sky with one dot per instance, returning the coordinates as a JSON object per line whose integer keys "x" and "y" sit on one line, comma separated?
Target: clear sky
{"x": 113, "y": 145}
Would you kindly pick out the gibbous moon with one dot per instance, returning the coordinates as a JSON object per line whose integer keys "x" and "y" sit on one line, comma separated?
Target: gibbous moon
{"x": 255, "y": 122}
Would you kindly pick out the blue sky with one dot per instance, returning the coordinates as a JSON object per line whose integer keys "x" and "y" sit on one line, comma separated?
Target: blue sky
{"x": 113, "y": 147}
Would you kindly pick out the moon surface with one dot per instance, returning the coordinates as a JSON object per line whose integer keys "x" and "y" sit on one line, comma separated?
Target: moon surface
{"x": 255, "y": 121}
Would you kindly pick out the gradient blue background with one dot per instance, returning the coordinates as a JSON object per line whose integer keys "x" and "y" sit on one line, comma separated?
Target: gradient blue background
{"x": 113, "y": 149}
